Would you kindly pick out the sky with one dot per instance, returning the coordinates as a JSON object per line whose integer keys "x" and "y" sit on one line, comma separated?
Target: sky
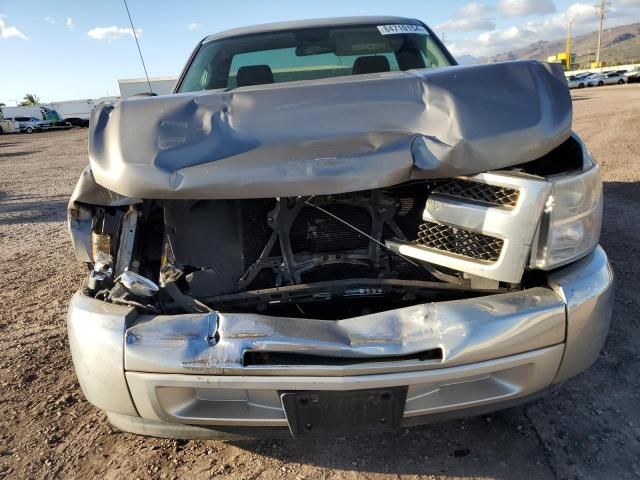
{"x": 64, "y": 49}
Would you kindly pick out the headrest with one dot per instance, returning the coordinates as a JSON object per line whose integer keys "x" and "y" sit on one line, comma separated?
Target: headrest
{"x": 371, "y": 64}
{"x": 254, "y": 75}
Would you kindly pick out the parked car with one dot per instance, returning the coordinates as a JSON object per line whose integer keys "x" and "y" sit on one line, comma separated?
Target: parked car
{"x": 77, "y": 122}
{"x": 31, "y": 124}
{"x": 9, "y": 125}
{"x": 595, "y": 80}
{"x": 633, "y": 76}
{"x": 332, "y": 231}
{"x": 614, "y": 78}
{"x": 577, "y": 81}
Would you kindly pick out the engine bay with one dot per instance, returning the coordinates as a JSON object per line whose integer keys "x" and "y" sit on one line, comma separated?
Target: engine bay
{"x": 317, "y": 256}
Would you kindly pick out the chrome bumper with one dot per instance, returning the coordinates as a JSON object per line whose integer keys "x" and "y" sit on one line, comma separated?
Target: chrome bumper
{"x": 190, "y": 369}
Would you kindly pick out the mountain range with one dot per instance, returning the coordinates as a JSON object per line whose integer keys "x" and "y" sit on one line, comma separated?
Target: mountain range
{"x": 620, "y": 45}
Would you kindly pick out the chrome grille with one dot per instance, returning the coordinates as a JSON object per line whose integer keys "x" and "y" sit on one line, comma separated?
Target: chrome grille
{"x": 479, "y": 192}
{"x": 460, "y": 242}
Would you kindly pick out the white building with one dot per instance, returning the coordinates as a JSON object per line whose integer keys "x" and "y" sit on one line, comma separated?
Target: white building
{"x": 133, "y": 86}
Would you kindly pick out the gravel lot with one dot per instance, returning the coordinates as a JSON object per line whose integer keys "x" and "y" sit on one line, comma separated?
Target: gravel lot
{"x": 590, "y": 428}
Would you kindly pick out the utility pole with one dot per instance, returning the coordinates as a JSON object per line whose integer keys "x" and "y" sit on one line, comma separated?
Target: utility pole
{"x": 568, "y": 46}
{"x": 601, "y": 13}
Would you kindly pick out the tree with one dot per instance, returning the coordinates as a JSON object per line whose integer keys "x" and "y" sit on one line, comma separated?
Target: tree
{"x": 3, "y": 104}
{"x": 30, "y": 99}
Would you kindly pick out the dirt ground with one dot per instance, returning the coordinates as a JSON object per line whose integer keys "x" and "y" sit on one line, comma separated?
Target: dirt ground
{"x": 590, "y": 428}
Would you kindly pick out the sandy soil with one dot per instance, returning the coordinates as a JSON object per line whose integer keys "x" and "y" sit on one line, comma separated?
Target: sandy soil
{"x": 588, "y": 429}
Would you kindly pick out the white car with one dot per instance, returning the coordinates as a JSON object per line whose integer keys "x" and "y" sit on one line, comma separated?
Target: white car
{"x": 595, "y": 79}
{"x": 615, "y": 78}
{"x": 577, "y": 81}
{"x": 633, "y": 76}
{"x": 31, "y": 124}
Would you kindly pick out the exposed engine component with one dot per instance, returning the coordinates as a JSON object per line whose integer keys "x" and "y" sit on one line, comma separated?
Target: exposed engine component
{"x": 137, "y": 285}
{"x": 132, "y": 289}
{"x": 266, "y": 243}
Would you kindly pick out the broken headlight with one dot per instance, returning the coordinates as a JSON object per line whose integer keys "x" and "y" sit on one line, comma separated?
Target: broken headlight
{"x": 570, "y": 224}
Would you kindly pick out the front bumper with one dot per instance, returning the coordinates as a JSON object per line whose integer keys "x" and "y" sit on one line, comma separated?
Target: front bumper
{"x": 174, "y": 375}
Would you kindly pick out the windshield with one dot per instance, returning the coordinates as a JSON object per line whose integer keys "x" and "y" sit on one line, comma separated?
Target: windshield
{"x": 310, "y": 54}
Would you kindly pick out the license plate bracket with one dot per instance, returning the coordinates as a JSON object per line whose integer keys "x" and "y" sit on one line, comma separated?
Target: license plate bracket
{"x": 327, "y": 413}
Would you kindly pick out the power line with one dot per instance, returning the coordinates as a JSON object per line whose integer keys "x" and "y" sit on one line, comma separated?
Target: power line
{"x": 135, "y": 36}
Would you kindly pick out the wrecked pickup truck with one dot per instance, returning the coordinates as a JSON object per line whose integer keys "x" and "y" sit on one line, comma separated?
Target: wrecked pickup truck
{"x": 332, "y": 227}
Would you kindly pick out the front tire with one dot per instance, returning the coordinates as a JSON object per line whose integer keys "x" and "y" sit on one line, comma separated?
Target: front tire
{"x": 620, "y": 82}
{"x": 600, "y": 83}
{"x": 29, "y": 130}
{"x": 581, "y": 85}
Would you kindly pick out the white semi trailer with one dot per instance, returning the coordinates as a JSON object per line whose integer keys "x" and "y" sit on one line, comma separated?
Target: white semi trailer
{"x": 73, "y": 109}
{"x": 38, "y": 112}
{"x": 78, "y": 112}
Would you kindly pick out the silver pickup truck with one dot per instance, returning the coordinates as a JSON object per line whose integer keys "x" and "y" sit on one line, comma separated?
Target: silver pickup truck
{"x": 331, "y": 227}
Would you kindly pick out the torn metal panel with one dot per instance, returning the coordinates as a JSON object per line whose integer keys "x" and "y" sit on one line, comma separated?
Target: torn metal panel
{"x": 127, "y": 239}
{"x": 79, "y": 222}
{"x": 92, "y": 193}
{"x": 333, "y": 135}
{"x": 80, "y": 211}
{"x": 464, "y": 330}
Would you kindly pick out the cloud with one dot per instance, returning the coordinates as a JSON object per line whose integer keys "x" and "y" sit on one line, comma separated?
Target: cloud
{"x": 112, "y": 32}
{"x": 507, "y": 38}
{"x": 69, "y": 23}
{"x": 580, "y": 13}
{"x": 549, "y": 28}
{"x": 474, "y": 9}
{"x": 10, "y": 31}
{"x": 523, "y": 8}
{"x": 628, "y": 3}
{"x": 470, "y": 18}
{"x": 49, "y": 20}
{"x": 194, "y": 26}
{"x": 464, "y": 25}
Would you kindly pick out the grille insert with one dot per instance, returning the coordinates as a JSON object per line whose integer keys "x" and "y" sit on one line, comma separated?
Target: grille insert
{"x": 479, "y": 192}
{"x": 460, "y": 242}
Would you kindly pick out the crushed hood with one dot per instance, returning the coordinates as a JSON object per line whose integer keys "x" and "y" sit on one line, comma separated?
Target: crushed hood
{"x": 333, "y": 135}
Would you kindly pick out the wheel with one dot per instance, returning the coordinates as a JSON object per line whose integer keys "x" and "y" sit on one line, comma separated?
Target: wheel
{"x": 581, "y": 85}
{"x": 600, "y": 83}
{"x": 620, "y": 82}
{"x": 29, "y": 130}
